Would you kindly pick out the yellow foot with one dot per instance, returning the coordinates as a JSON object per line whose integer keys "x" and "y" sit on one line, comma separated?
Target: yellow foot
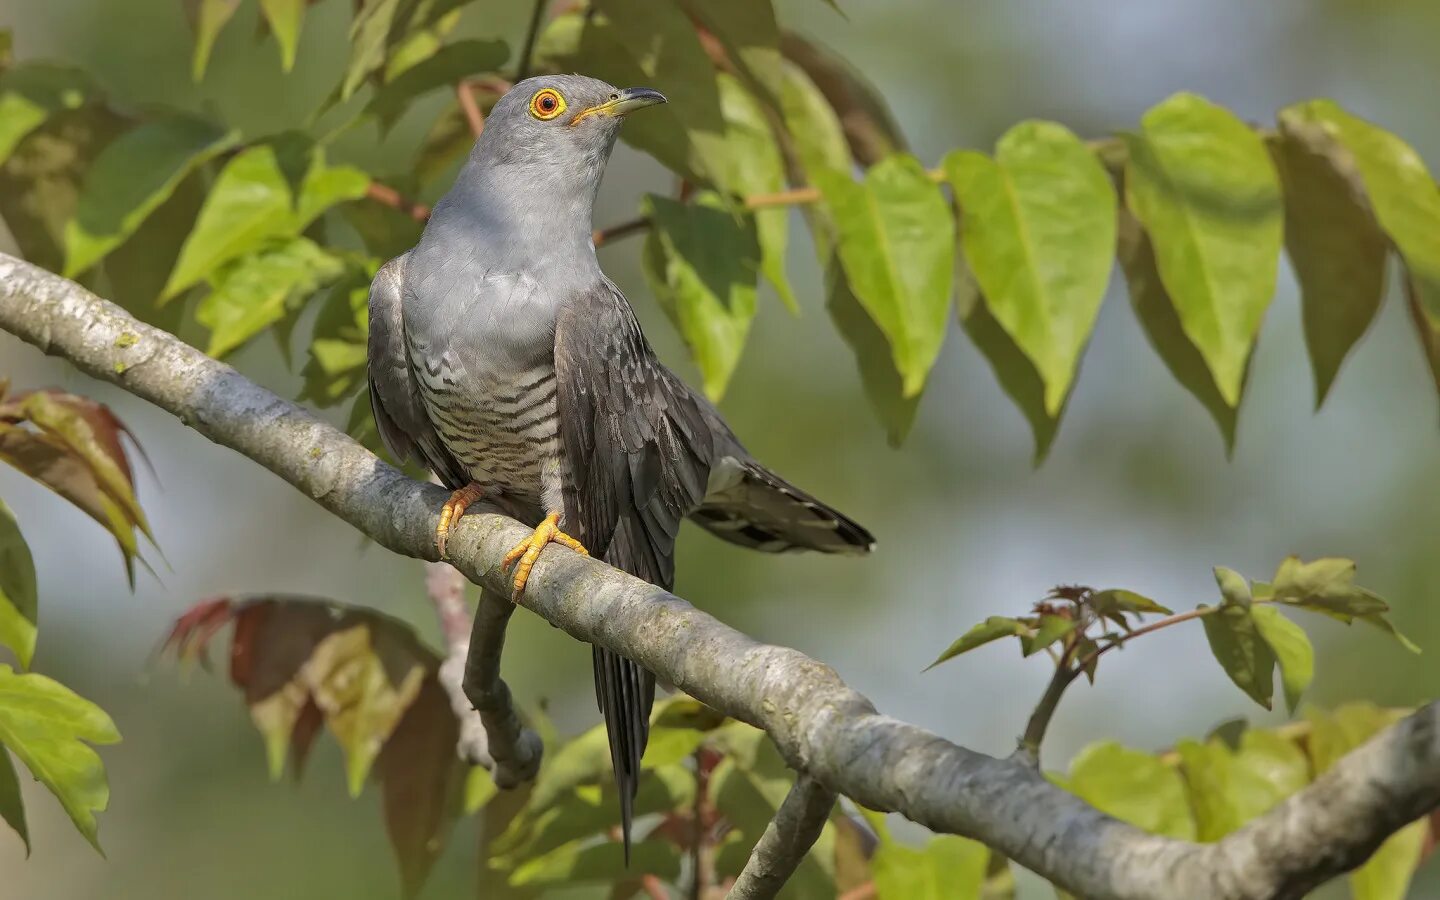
{"x": 451, "y": 512}
{"x": 528, "y": 550}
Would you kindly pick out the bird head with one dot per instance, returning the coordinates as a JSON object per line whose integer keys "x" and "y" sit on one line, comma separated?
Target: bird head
{"x": 558, "y": 130}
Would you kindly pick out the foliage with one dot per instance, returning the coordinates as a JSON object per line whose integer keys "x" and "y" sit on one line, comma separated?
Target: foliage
{"x": 74, "y": 447}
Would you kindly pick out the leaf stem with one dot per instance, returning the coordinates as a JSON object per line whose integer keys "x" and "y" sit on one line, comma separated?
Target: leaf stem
{"x": 465, "y": 92}
{"x": 1157, "y": 625}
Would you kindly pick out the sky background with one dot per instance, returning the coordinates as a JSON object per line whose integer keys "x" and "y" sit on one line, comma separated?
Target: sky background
{"x": 1137, "y": 491}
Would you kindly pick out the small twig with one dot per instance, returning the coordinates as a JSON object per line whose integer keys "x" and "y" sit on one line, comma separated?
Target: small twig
{"x": 522, "y": 68}
{"x": 604, "y": 236}
{"x": 387, "y": 195}
{"x": 788, "y": 837}
{"x": 465, "y": 93}
{"x": 514, "y": 749}
{"x": 1158, "y": 624}
{"x": 702, "y": 859}
{"x": 654, "y": 887}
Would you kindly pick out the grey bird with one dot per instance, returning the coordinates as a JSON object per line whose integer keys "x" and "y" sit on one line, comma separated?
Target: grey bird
{"x": 502, "y": 358}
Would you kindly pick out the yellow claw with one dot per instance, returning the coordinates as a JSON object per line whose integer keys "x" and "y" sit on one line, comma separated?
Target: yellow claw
{"x": 528, "y": 550}
{"x": 451, "y": 512}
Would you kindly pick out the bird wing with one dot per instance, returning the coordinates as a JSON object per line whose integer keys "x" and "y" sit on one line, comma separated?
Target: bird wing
{"x": 394, "y": 394}
{"x": 639, "y": 450}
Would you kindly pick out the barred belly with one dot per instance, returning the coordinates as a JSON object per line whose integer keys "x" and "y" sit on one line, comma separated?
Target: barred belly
{"x": 503, "y": 427}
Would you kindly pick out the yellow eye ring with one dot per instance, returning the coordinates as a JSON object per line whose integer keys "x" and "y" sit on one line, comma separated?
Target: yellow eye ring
{"x": 547, "y": 104}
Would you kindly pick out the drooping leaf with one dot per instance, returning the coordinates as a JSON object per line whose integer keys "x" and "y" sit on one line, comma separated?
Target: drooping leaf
{"x": 878, "y": 376}
{"x": 270, "y": 191}
{"x": 449, "y": 65}
{"x": 992, "y": 629}
{"x": 1039, "y": 236}
{"x": 285, "y": 18}
{"x": 1328, "y": 586}
{"x": 1292, "y": 649}
{"x": 1134, "y": 787}
{"x": 368, "y": 31}
{"x": 12, "y": 805}
{"x": 207, "y": 17}
{"x": 1236, "y": 640}
{"x": 811, "y": 125}
{"x": 701, "y": 261}
{"x": 660, "y": 38}
{"x": 1156, "y": 311}
{"x": 18, "y": 603}
{"x": 1335, "y": 246}
{"x": 47, "y": 726}
{"x": 133, "y": 176}
{"x": 31, "y": 93}
{"x": 1401, "y": 193}
{"x": 870, "y": 127}
{"x": 948, "y": 866}
{"x": 136, "y": 271}
{"x": 420, "y": 783}
{"x": 1206, "y": 191}
{"x": 336, "y": 367}
{"x": 896, "y": 242}
{"x": 747, "y": 31}
{"x": 251, "y": 293}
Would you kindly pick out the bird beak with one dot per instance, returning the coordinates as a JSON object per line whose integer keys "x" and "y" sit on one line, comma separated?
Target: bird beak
{"x": 622, "y": 104}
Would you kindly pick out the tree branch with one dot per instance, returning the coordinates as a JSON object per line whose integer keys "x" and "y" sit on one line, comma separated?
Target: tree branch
{"x": 515, "y": 749}
{"x": 786, "y": 840}
{"x": 445, "y": 587}
{"x": 820, "y": 725}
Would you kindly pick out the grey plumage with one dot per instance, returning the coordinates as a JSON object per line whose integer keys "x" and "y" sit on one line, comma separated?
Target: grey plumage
{"x": 500, "y": 354}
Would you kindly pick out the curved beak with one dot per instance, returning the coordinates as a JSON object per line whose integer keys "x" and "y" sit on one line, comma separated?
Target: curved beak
{"x": 622, "y": 104}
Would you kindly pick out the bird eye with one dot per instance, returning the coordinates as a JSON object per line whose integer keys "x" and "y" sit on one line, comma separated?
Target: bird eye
{"x": 547, "y": 104}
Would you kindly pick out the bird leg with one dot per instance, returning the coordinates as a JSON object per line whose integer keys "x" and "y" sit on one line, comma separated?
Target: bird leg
{"x": 528, "y": 550}
{"x": 451, "y": 512}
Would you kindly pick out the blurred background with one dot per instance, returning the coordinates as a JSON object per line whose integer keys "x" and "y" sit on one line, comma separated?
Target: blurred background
{"x": 1137, "y": 491}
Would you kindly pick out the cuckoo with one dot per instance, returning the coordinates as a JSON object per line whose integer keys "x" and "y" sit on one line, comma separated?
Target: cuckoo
{"x": 502, "y": 358}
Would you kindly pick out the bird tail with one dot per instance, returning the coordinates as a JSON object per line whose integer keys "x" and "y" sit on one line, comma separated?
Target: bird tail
{"x": 749, "y": 505}
{"x": 625, "y": 692}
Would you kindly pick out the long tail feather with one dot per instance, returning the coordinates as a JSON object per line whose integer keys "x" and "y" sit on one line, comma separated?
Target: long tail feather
{"x": 749, "y": 505}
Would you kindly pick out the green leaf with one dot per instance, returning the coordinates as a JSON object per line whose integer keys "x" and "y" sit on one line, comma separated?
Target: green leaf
{"x": 285, "y": 18}
{"x": 1386, "y": 875}
{"x": 1335, "y": 246}
{"x": 368, "y": 32}
{"x": 947, "y": 867}
{"x": 811, "y": 124}
{"x": 1327, "y": 586}
{"x": 338, "y": 345}
{"x": 1039, "y": 236}
{"x": 751, "y": 38}
{"x": 268, "y": 191}
{"x": 881, "y": 382}
{"x": 1156, "y": 311}
{"x": 1291, "y": 648}
{"x": 251, "y": 294}
{"x": 1119, "y": 600}
{"x": 870, "y": 127}
{"x": 755, "y": 166}
{"x": 132, "y": 176}
{"x": 12, "y": 805}
{"x": 449, "y": 65}
{"x": 1228, "y": 789}
{"x": 1237, "y": 644}
{"x": 1204, "y": 187}
{"x": 1233, "y": 588}
{"x": 1013, "y": 369}
{"x": 1134, "y": 787}
{"x": 18, "y": 602}
{"x": 992, "y": 629}
{"x": 1050, "y": 630}
{"x": 896, "y": 242}
{"x": 574, "y": 864}
{"x": 30, "y": 94}
{"x": 208, "y": 17}
{"x": 44, "y": 723}
{"x": 701, "y": 261}
{"x": 661, "y": 40}
{"x": 480, "y": 789}
{"x": 1401, "y": 192}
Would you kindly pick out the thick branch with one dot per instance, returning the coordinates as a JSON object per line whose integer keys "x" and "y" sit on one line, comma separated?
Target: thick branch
{"x": 786, "y": 840}
{"x": 515, "y": 749}
{"x": 820, "y": 725}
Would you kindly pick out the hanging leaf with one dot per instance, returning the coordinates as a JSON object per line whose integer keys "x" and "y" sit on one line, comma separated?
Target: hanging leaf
{"x": 449, "y": 65}
{"x": 1401, "y": 193}
{"x": 18, "y": 603}
{"x": 284, "y": 18}
{"x": 878, "y": 377}
{"x": 660, "y": 38}
{"x": 747, "y": 31}
{"x": 896, "y": 242}
{"x": 30, "y": 94}
{"x": 12, "y": 805}
{"x": 701, "y": 261}
{"x": 1206, "y": 191}
{"x": 1335, "y": 246}
{"x": 1327, "y": 586}
{"x": 811, "y": 126}
{"x": 338, "y": 346}
{"x": 368, "y": 32}
{"x": 1039, "y": 236}
{"x": 268, "y": 191}
{"x": 252, "y": 293}
{"x": 133, "y": 176}
{"x": 1236, "y": 641}
{"x": 992, "y": 629}
{"x": 870, "y": 127}
{"x": 1156, "y": 312}
{"x": 46, "y": 725}
{"x": 1133, "y": 787}
{"x": 1292, "y": 649}
{"x": 207, "y": 17}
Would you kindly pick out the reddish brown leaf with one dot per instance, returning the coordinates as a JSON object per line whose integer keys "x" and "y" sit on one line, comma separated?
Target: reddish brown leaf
{"x": 420, "y": 777}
